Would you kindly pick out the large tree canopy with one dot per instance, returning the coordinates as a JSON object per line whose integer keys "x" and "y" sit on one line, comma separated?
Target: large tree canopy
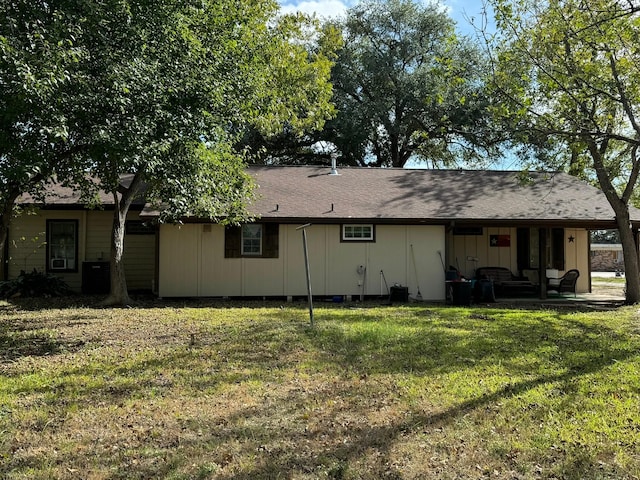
{"x": 39, "y": 107}
{"x": 568, "y": 80}
{"x": 159, "y": 87}
{"x": 406, "y": 87}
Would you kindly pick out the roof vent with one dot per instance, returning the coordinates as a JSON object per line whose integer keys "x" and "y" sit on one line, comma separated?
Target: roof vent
{"x": 334, "y": 164}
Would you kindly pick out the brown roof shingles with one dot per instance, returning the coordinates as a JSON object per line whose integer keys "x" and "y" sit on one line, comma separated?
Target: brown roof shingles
{"x": 433, "y": 196}
{"x": 390, "y": 195}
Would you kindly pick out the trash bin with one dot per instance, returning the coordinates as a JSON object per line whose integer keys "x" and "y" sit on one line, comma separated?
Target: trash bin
{"x": 461, "y": 293}
{"x": 398, "y": 294}
{"x": 96, "y": 278}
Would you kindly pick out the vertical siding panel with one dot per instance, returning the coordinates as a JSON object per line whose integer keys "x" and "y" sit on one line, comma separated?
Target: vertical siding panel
{"x": 390, "y": 259}
{"x": 426, "y": 240}
{"x": 178, "y": 261}
{"x": 27, "y": 244}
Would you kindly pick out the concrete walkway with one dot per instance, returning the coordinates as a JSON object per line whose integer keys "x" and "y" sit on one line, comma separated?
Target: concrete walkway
{"x": 606, "y": 274}
{"x": 605, "y": 294}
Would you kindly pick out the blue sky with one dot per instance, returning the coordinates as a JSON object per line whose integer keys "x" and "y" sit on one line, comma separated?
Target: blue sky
{"x": 460, "y": 10}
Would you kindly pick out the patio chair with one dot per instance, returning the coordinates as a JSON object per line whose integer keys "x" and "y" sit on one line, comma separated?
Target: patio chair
{"x": 567, "y": 282}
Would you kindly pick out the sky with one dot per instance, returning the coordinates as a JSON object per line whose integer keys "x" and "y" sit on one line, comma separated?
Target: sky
{"x": 459, "y": 10}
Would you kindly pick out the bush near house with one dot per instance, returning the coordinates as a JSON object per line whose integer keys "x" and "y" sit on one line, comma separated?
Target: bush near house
{"x": 34, "y": 284}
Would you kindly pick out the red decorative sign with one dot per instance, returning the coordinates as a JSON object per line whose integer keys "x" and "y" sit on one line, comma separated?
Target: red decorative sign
{"x": 500, "y": 240}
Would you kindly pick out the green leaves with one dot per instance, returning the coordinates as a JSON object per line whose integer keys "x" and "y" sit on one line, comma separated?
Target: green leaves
{"x": 409, "y": 86}
{"x": 568, "y": 80}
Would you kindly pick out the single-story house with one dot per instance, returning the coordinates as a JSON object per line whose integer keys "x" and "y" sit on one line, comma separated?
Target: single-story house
{"x": 607, "y": 257}
{"x": 369, "y": 229}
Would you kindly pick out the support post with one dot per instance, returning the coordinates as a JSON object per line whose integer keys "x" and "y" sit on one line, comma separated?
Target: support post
{"x": 542, "y": 261}
{"x": 306, "y": 264}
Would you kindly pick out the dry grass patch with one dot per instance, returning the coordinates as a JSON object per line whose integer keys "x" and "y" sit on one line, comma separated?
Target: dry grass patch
{"x": 374, "y": 392}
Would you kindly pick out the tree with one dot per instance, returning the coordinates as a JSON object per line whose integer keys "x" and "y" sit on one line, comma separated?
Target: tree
{"x": 38, "y": 102}
{"x": 406, "y": 87}
{"x": 180, "y": 79}
{"x": 156, "y": 92}
{"x": 568, "y": 79}
{"x": 605, "y": 236}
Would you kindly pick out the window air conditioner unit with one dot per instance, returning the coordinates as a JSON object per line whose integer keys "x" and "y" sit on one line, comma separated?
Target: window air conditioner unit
{"x": 58, "y": 264}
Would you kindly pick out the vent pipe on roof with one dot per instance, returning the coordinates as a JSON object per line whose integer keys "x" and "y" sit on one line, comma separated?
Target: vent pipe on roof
{"x": 334, "y": 164}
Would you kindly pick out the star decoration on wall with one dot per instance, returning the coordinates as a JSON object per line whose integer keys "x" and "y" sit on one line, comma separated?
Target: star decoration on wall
{"x": 571, "y": 239}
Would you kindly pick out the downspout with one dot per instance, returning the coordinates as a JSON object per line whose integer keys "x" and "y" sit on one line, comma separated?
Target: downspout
{"x": 635, "y": 237}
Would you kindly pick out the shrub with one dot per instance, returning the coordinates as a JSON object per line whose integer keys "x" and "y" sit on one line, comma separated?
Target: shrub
{"x": 34, "y": 284}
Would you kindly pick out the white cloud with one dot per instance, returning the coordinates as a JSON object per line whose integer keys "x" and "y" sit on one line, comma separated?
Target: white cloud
{"x": 321, "y": 8}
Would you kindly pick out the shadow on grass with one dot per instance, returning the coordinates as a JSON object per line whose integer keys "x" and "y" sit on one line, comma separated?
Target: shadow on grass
{"x": 21, "y": 339}
{"x": 303, "y": 430}
{"x": 583, "y": 350}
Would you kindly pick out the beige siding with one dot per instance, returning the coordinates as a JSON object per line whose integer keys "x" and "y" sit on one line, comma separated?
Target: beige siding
{"x": 140, "y": 261}
{"x": 180, "y": 247}
{"x": 577, "y": 256}
{"x": 98, "y": 235}
{"x": 464, "y": 249}
{"x": 27, "y": 246}
{"x": 192, "y": 263}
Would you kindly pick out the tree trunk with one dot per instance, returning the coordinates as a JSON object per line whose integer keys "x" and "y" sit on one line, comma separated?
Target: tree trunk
{"x": 5, "y": 220}
{"x": 119, "y": 294}
{"x": 630, "y": 253}
{"x": 4, "y": 230}
{"x": 620, "y": 206}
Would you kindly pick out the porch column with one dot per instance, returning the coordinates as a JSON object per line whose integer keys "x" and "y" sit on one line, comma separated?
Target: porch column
{"x": 542, "y": 261}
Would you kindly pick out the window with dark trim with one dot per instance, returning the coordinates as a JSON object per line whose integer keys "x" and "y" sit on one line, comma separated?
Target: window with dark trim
{"x": 139, "y": 227}
{"x": 62, "y": 245}
{"x": 528, "y": 249}
{"x": 468, "y": 230}
{"x": 252, "y": 240}
{"x": 357, "y": 232}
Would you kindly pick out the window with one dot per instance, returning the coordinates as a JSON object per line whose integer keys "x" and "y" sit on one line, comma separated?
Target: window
{"x": 357, "y": 233}
{"x": 529, "y": 248}
{"x": 467, "y": 230}
{"x": 257, "y": 240}
{"x": 252, "y": 239}
{"x": 555, "y": 248}
{"x": 62, "y": 245}
{"x": 138, "y": 227}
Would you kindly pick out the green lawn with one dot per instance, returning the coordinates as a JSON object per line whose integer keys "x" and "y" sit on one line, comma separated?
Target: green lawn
{"x": 371, "y": 392}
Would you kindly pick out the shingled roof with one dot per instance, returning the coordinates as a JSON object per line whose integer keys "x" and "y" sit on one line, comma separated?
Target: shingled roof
{"x": 58, "y": 196}
{"x": 291, "y": 194}
{"x": 309, "y": 193}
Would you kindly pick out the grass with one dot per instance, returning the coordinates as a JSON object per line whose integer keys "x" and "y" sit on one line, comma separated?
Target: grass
{"x": 596, "y": 281}
{"x": 371, "y": 392}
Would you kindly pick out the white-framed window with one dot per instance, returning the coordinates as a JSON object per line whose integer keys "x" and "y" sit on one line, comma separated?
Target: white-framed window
{"x": 358, "y": 233}
{"x": 252, "y": 239}
{"x": 62, "y": 245}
